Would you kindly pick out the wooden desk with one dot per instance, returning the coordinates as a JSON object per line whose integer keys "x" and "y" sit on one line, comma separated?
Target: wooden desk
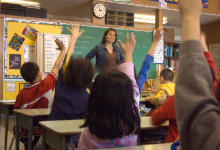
{"x": 146, "y": 93}
{"x": 164, "y": 146}
{"x": 6, "y": 108}
{"x": 54, "y": 131}
{"x": 24, "y": 118}
{"x": 142, "y": 99}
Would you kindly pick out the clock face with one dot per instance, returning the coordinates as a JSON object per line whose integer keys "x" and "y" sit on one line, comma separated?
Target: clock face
{"x": 99, "y": 10}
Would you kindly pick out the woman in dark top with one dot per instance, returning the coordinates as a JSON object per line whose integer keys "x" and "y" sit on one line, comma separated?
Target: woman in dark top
{"x": 107, "y": 53}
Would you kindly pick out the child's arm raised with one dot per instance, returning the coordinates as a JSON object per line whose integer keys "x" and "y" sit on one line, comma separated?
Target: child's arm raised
{"x": 197, "y": 110}
{"x": 75, "y": 34}
{"x": 142, "y": 76}
{"x": 210, "y": 61}
{"x": 59, "y": 60}
{"x": 128, "y": 66}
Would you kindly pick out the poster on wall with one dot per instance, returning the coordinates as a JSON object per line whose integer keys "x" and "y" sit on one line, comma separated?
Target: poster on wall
{"x": 29, "y": 53}
{"x": 14, "y": 61}
{"x": 50, "y": 52}
{"x": 30, "y": 33}
{"x": 16, "y": 42}
{"x": 205, "y": 2}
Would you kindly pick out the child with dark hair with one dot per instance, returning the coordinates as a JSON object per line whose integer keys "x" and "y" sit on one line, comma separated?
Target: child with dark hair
{"x": 165, "y": 90}
{"x": 71, "y": 94}
{"x": 39, "y": 93}
{"x": 167, "y": 110}
{"x": 75, "y": 77}
{"x": 112, "y": 114}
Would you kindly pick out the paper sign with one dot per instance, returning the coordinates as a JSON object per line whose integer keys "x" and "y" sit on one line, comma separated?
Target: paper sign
{"x": 10, "y": 86}
{"x": 50, "y": 52}
{"x": 163, "y": 4}
{"x": 159, "y": 52}
{"x": 29, "y": 53}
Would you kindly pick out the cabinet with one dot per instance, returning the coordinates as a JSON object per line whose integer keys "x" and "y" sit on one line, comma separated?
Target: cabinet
{"x": 119, "y": 18}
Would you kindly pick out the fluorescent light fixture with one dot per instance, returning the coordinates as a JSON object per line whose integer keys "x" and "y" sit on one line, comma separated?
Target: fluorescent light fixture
{"x": 147, "y": 19}
{"x": 20, "y": 2}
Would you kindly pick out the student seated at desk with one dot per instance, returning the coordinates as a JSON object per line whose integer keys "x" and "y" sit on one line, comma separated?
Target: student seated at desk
{"x": 165, "y": 90}
{"x": 112, "y": 114}
{"x": 71, "y": 94}
{"x": 167, "y": 110}
{"x": 39, "y": 93}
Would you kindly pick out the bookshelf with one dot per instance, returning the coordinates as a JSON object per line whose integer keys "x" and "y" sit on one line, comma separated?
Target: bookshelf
{"x": 119, "y": 18}
{"x": 171, "y": 56}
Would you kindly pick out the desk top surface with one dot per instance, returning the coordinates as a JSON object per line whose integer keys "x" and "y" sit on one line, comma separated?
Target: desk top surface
{"x": 164, "y": 146}
{"x": 7, "y": 102}
{"x": 69, "y": 127}
{"x": 142, "y": 99}
{"x": 41, "y": 112}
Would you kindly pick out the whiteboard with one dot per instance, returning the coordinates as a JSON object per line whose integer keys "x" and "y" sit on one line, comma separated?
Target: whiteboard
{"x": 50, "y": 51}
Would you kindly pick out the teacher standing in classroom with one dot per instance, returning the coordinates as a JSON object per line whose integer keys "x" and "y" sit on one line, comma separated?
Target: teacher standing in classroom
{"x": 108, "y": 55}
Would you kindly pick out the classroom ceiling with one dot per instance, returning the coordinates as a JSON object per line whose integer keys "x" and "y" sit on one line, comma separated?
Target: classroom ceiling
{"x": 81, "y": 8}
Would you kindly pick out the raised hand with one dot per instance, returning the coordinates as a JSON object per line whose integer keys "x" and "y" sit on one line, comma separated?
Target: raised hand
{"x": 128, "y": 48}
{"x": 158, "y": 34}
{"x": 190, "y": 9}
{"x": 60, "y": 44}
{"x": 75, "y": 31}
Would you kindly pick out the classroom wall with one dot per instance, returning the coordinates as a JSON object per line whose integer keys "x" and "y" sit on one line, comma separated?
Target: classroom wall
{"x": 67, "y": 18}
{"x": 212, "y": 31}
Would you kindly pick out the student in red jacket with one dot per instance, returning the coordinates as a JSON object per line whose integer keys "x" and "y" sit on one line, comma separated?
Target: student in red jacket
{"x": 210, "y": 61}
{"x": 167, "y": 110}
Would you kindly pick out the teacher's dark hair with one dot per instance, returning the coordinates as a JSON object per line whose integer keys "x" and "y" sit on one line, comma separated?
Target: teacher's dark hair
{"x": 111, "y": 110}
{"x": 106, "y": 32}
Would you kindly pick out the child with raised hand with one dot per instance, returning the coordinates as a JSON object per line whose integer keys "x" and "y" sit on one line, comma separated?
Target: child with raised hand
{"x": 71, "y": 93}
{"x": 210, "y": 62}
{"x": 142, "y": 76}
{"x": 196, "y": 108}
{"x": 112, "y": 114}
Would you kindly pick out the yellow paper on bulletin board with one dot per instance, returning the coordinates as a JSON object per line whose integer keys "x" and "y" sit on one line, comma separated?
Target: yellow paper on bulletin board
{"x": 18, "y": 27}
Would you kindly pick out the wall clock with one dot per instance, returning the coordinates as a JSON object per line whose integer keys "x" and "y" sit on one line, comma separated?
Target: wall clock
{"x": 99, "y": 10}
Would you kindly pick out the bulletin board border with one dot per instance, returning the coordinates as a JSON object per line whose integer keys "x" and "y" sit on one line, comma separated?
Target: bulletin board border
{"x": 6, "y": 21}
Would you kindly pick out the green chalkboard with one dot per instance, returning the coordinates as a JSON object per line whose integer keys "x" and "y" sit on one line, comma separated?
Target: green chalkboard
{"x": 93, "y": 36}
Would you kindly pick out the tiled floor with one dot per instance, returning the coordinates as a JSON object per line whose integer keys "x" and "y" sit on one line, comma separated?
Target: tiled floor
{"x": 10, "y": 135}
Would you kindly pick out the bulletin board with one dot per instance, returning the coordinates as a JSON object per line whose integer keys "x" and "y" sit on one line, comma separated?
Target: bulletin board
{"x": 19, "y": 48}
{"x": 20, "y": 37}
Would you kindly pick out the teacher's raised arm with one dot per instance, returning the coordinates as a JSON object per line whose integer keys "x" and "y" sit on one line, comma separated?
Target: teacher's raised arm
{"x": 108, "y": 55}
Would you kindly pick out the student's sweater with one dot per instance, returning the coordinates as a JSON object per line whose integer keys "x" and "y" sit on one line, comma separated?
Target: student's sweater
{"x": 167, "y": 112}
{"x": 212, "y": 65}
{"x": 38, "y": 95}
{"x": 197, "y": 110}
{"x": 68, "y": 103}
{"x": 164, "y": 91}
{"x": 142, "y": 76}
{"x": 89, "y": 141}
